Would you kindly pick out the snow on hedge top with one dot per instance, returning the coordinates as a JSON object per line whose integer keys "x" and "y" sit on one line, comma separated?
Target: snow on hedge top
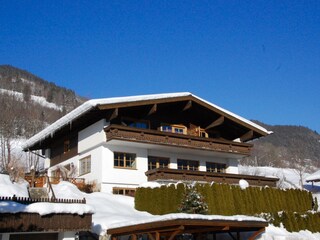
{"x": 85, "y": 107}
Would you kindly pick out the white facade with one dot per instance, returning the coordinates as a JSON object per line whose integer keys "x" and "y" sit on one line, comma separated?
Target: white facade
{"x": 92, "y": 143}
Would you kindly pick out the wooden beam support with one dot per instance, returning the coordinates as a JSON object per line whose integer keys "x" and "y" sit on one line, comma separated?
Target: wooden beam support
{"x": 114, "y": 114}
{"x": 179, "y": 230}
{"x": 255, "y": 234}
{"x": 153, "y": 109}
{"x": 216, "y": 123}
{"x": 157, "y": 236}
{"x": 150, "y": 236}
{"x": 247, "y": 136}
{"x": 188, "y": 105}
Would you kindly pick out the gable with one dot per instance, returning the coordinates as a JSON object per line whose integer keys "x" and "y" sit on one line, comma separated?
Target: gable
{"x": 178, "y": 108}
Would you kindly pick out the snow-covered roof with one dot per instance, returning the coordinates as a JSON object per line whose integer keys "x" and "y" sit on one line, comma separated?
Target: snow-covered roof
{"x": 313, "y": 177}
{"x": 87, "y": 106}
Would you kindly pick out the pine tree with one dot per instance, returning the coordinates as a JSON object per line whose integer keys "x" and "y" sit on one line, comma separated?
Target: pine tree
{"x": 193, "y": 202}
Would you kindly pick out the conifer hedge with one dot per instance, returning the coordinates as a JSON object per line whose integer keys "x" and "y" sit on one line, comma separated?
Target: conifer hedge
{"x": 224, "y": 199}
{"x": 291, "y": 207}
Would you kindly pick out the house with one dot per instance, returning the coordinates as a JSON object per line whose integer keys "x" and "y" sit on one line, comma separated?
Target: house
{"x": 121, "y": 142}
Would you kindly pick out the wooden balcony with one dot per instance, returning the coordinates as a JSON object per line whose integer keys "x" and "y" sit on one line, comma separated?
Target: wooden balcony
{"x": 119, "y": 132}
{"x": 174, "y": 175}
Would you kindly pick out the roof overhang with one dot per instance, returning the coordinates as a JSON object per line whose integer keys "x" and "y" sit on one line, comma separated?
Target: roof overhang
{"x": 96, "y": 105}
{"x": 173, "y": 227}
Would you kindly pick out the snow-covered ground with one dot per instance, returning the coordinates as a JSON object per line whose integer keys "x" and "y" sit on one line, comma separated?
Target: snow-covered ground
{"x": 112, "y": 211}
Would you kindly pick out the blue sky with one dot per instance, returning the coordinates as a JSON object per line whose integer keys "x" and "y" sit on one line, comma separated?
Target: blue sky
{"x": 259, "y": 59}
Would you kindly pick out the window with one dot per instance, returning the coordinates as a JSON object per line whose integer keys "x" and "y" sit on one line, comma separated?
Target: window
{"x": 124, "y": 191}
{"x": 136, "y": 123}
{"x": 66, "y": 146}
{"x": 125, "y": 160}
{"x": 85, "y": 165}
{"x": 216, "y": 167}
{"x": 157, "y": 162}
{"x": 188, "y": 165}
{"x": 174, "y": 128}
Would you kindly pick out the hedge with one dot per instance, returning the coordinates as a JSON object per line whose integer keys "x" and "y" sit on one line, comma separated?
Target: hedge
{"x": 224, "y": 199}
{"x": 291, "y": 207}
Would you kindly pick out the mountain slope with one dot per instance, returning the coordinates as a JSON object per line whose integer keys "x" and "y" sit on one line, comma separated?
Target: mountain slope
{"x": 286, "y": 147}
{"x": 28, "y": 102}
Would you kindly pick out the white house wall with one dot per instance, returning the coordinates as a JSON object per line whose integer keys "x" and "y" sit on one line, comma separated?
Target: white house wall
{"x": 131, "y": 178}
{"x": 91, "y": 136}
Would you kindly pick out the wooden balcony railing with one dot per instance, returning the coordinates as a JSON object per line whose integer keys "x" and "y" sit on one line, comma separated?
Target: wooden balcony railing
{"x": 125, "y": 133}
{"x": 174, "y": 175}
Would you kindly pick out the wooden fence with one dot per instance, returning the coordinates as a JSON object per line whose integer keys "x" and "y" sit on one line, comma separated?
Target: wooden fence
{"x": 26, "y": 200}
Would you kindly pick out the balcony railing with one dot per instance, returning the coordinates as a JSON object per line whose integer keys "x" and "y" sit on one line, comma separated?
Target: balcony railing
{"x": 125, "y": 133}
{"x": 174, "y": 175}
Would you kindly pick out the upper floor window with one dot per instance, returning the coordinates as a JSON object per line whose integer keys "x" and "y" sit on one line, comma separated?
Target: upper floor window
{"x": 216, "y": 167}
{"x": 188, "y": 165}
{"x": 66, "y": 146}
{"x": 174, "y": 128}
{"x": 135, "y": 123}
{"x": 85, "y": 165}
{"x": 157, "y": 162}
{"x": 125, "y": 160}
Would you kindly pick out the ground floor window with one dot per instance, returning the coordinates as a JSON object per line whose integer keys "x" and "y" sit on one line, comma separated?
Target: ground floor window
{"x": 188, "y": 165}
{"x": 85, "y": 165}
{"x": 157, "y": 162}
{"x": 216, "y": 167}
{"x": 124, "y": 191}
{"x": 125, "y": 160}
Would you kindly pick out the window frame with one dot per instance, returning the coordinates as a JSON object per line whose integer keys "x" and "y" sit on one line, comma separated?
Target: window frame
{"x": 216, "y": 168}
{"x": 87, "y": 165}
{"x": 124, "y": 191}
{"x": 66, "y": 146}
{"x": 157, "y": 162}
{"x": 166, "y": 127}
{"x": 132, "y": 165}
{"x": 188, "y": 165}
{"x": 134, "y": 121}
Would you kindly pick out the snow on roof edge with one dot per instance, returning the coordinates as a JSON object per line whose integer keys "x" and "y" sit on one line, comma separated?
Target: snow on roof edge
{"x": 185, "y": 216}
{"x": 88, "y": 105}
{"x": 314, "y": 176}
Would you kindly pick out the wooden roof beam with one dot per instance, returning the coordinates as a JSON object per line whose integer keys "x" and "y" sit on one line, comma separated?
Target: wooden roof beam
{"x": 153, "y": 109}
{"x": 188, "y": 105}
{"x": 216, "y": 123}
{"x": 247, "y": 136}
{"x": 114, "y": 114}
